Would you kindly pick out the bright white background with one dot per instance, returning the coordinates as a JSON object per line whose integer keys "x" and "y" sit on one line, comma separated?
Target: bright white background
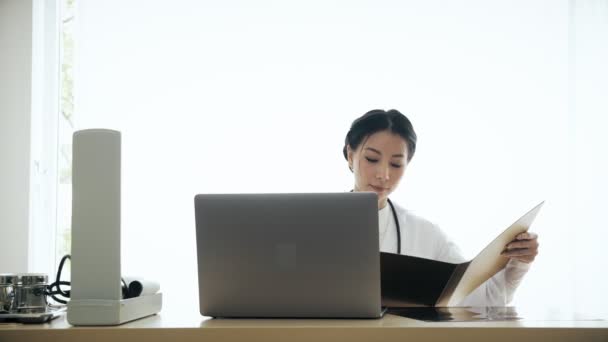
{"x": 242, "y": 96}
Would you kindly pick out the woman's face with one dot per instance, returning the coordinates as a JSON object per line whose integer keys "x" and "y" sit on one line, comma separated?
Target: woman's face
{"x": 378, "y": 164}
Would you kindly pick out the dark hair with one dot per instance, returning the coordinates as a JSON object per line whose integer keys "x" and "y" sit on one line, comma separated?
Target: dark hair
{"x": 380, "y": 120}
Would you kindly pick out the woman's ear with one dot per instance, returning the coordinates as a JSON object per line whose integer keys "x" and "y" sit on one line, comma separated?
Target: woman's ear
{"x": 349, "y": 157}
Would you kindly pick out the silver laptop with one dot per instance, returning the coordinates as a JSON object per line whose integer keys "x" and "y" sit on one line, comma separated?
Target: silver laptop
{"x": 288, "y": 255}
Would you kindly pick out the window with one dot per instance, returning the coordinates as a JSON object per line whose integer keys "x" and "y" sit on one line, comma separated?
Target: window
{"x": 65, "y": 129}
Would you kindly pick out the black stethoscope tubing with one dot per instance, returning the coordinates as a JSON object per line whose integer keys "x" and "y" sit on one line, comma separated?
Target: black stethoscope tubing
{"x": 397, "y": 225}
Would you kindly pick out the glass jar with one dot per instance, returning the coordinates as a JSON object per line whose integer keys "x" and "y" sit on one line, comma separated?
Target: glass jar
{"x": 29, "y": 293}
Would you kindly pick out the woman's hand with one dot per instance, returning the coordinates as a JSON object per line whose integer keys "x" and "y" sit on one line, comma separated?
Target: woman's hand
{"x": 524, "y": 248}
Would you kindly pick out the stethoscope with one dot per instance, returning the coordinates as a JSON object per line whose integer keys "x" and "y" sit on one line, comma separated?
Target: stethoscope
{"x": 397, "y": 224}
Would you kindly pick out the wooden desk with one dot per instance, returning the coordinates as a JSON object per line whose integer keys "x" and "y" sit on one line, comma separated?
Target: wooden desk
{"x": 173, "y": 327}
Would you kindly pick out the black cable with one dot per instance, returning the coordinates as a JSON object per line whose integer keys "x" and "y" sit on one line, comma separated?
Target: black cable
{"x": 54, "y": 289}
{"x": 57, "y": 284}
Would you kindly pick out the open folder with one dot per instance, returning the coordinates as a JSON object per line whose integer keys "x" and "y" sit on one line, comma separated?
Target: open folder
{"x": 410, "y": 281}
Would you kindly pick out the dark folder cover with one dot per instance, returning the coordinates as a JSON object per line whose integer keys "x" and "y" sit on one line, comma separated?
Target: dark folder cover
{"x": 411, "y": 281}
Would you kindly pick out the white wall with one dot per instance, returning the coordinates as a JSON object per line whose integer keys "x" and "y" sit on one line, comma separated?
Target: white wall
{"x": 15, "y": 105}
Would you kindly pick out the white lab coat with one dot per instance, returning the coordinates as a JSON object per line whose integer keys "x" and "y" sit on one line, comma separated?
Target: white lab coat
{"x": 421, "y": 238}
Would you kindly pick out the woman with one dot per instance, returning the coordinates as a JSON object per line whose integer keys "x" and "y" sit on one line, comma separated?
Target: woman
{"x": 378, "y": 148}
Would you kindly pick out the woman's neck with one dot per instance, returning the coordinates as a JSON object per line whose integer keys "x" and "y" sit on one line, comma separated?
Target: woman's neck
{"x": 382, "y": 204}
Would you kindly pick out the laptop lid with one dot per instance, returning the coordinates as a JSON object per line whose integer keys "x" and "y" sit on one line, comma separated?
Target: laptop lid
{"x": 288, "y": 255}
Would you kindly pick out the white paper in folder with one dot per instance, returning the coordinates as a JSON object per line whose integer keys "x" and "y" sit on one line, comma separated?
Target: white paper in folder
{"x": 489, "y": 261}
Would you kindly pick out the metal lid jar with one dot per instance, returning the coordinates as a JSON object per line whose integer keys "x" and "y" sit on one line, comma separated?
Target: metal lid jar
{"x": 6, "y": 291}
